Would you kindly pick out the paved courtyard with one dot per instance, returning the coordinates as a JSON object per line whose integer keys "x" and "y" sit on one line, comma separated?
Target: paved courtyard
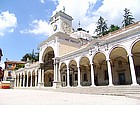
{"x": 44, "y": 97}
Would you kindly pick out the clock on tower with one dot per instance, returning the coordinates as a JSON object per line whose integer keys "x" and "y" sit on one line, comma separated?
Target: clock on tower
{"x": 61, "y": 22}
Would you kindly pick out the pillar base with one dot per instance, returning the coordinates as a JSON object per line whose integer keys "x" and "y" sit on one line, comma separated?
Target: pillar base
{"x": 93, "y": 86}
{"x": 40, "y": 85}
{"x": 110, "y": 85}
{"x": 135, "y": 84}
{"x": 56, "y": 84}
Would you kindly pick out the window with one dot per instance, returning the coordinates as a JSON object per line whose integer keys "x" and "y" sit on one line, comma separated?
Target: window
{"x": 76, "y": 77}
{"x": 85, "y": 77}
{"x": 106, "y": 75}
{"x": 137, "y": 69}
{"x": 9, "y": 73}
{"x": 9, "y": 65}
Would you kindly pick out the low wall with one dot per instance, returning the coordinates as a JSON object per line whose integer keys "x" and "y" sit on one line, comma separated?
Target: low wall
{"x": 5, "y": 84}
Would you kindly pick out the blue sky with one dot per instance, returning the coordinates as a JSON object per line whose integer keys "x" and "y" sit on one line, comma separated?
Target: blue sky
{"x": 15, "y": 44}
{"x": 24, "y": 24}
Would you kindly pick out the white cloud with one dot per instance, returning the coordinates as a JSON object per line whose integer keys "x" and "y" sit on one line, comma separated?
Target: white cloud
{"x": 88, "y": 12}
{"x": 8, "y": 22}
{"x": 42, "y": 1}
{"x": 113, "y": 10}
{"x": 80, "y": 10}
{"x": 110, "y": 10}
{"x": 38, "y": 27}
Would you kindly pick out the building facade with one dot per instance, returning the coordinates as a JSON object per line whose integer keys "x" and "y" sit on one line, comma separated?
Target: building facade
{"x": 74, "y": 58}
{"x": 10, "y": 70}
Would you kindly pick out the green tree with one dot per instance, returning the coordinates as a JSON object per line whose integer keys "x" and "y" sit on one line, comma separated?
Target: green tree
{"x": 26, "y": 56}
{"x": 128, "y": 18}
{"x": 113, "y": 28}
{"x": 101, "y": 28}
{"x": 31, "y": 56}
{"x": 18, "y": 66}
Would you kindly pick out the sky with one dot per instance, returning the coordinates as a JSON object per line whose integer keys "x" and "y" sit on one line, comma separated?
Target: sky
{"x": 24, "y": 24}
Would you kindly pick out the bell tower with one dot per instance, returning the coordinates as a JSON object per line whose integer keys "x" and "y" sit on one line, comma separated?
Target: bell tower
{"x": 61, "y": 22}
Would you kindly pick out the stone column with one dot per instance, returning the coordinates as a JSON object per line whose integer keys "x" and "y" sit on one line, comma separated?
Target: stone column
{"x": 56, "y": 82}
{"x": 17, "y": 80}
{"x": 15, "y": 85}
{"x": 42, "y": 76}
{"x": 27, "y": 80}
{"x": 35, "y": 79}
{"x": 60, "y": 77}
{"x": 39, "y": 77}
{"x": 54, "y": 71}
{"x": 109, "y": 72}
{"x": 92, "y": 75}
{"x": 56, "y": 66}
{"x": 79, "y": 85}
{"x": 20, "y": 81}
{"x": 24, "y": 80}
{"x": 68, "y": 74}
{"x": 132, "y": 70}
{"x": 31, "y": 82}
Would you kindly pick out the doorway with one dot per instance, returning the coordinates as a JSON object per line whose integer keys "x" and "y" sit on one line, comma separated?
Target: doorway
{"x": 121, "y": 78}
{"x": 70, "y": 80}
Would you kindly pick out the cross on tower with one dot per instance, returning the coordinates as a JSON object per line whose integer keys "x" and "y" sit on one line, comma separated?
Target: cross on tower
{"x": 79, "y": 24}
{"x": 64, "y": 9}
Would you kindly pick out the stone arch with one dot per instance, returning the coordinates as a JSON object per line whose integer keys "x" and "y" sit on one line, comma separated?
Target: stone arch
{"x": 120, "y": 66}
{"x": 63, "y": 74}
{"x": 96, "y": 52}
{"x": 116, "y": 46}
{"x": 100, "y": 69}
{"x": 48, "y": 66}
{"x": 85, "y": 71}
{"x": 46, "y": 51}
{"x": 133, "y": 44}
{"x": 81, "y": 57}
{"x": 135, "y": 51}
{"x": 73, "y": 73}
{"x": 48, "y": 78}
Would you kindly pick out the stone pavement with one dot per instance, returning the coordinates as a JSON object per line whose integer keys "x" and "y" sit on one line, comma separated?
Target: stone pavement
{"x": 46, "y": 97}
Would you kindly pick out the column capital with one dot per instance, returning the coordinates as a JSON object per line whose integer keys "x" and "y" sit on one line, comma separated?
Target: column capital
{"x": 130, "y": 55}
{"x": 108, "y": 59}
{"x": 92, "y": 64}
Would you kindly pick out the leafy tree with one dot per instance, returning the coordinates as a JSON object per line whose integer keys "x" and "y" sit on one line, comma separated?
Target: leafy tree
{"x": 26, "y": 56}
{"x": 31, "y": 56}
{"x": 113, "y": 28}
{"x": 128, "y": 18}
{"x": 19, "y": 66}
{"x": 101, "y": 27}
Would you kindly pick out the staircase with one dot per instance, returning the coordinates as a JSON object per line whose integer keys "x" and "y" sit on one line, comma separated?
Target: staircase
{"x": 125, "y": 90}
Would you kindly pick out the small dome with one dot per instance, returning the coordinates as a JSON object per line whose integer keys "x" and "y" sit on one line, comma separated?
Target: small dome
{"x": 81, "y": 34}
